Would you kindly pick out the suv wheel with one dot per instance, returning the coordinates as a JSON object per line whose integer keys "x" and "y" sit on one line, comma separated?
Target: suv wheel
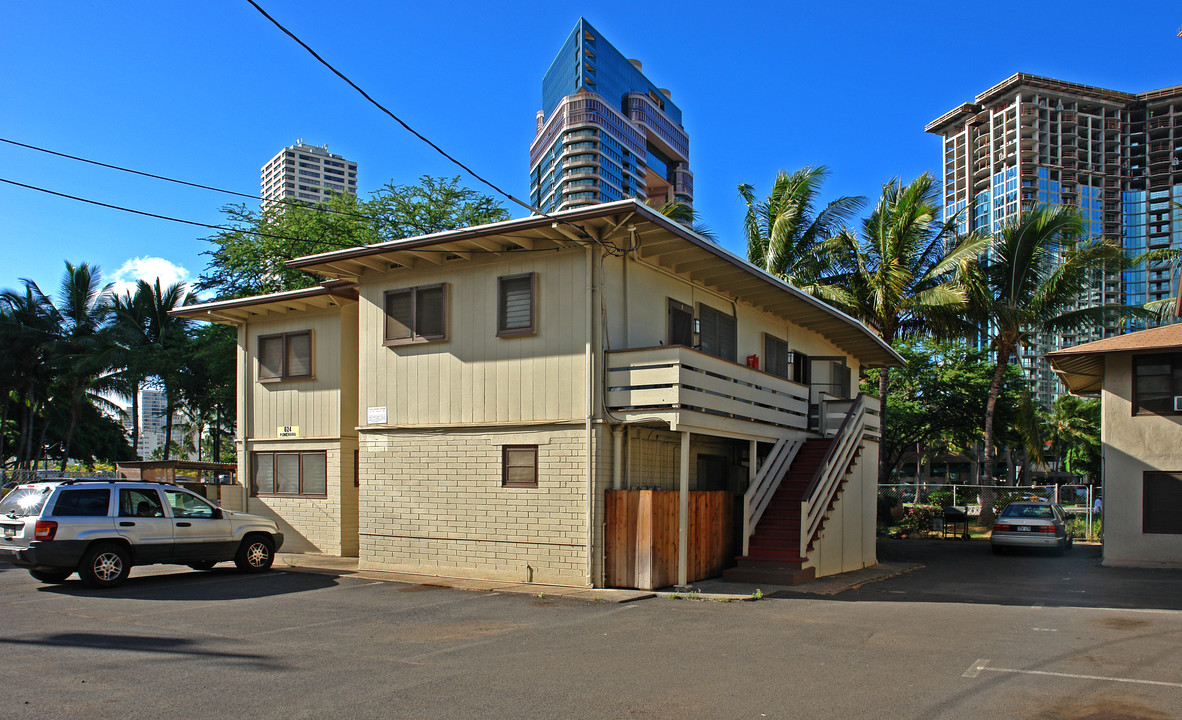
{"x": 256, "y": 554}
{"x": 104, "y": 566}
{"x": 51, "y": 576}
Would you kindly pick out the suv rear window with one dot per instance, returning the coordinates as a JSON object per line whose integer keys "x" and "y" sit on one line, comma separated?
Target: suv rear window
{"x": 82, "y": 503}
{"x": 25, "y": 501}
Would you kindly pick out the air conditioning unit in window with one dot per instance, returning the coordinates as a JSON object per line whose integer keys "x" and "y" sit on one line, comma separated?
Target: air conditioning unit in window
{"x": 1178, "y": 403}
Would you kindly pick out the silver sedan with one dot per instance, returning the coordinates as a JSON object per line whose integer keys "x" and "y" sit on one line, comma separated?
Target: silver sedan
{"x": 1031, "y": 525}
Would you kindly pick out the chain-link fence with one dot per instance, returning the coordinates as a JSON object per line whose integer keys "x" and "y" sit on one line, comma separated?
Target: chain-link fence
{"x": 920, "y": 505}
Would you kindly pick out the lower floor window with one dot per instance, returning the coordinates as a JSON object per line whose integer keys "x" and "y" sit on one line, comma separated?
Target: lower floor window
{"x": 290, "y": 473}
{"x": 519, "y": 466}
{"x": 1162, "y": 508}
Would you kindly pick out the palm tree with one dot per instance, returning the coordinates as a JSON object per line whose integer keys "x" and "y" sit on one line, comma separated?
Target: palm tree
{"x": 898, "y": 275}
{"x": 28, "y": 334}
{"x": 1029, "y": 284}
{"x": 167, "y": 338}
{"x": 84, "y": 361}
{"x": 784, "y": 236}
{"x": 686, "y": 215}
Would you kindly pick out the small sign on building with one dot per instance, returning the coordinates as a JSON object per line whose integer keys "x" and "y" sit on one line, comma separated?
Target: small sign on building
{"x": 376, "y": 415}
{"x": 288, "y": 431}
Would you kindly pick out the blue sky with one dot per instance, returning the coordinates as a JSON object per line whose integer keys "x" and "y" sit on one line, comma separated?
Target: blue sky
{"x": 209, "y": 91}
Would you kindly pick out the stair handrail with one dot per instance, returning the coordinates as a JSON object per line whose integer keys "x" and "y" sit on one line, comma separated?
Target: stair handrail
{"x": 767, "y": 481}
{"x": 826, "y": 479}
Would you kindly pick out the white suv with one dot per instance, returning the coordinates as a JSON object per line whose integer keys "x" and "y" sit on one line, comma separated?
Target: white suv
{"x": 100, "y": 528}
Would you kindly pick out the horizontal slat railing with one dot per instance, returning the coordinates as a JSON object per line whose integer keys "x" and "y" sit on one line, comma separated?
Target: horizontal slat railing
{"x": 676, "y": 377}
{"x": 827, "y": 479}
{"x": 766, "y": 482}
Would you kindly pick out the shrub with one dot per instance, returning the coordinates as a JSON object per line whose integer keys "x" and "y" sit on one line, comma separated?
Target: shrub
{"x": 941, "y": 498}
{"x": 918, "y": 518}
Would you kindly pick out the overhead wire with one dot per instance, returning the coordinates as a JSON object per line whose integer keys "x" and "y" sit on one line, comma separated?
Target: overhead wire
{"x": 274, "y": 236}
{"x": 610, "y": 246}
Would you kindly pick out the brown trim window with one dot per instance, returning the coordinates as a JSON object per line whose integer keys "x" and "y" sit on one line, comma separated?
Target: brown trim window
{"x": 717, "y": 333}
{"x": 1161, "y": 499}
{"x": 777, "y": 358}
{"x": 519, "y": 466}
{"x": 681, "y": 323}
{"x": 1157, "y": 381}
{"x": 285, "y": 356}
{"x": 416, "y": 315}
{"x": 295, "y": 473}
{"x": 516, "y": 314}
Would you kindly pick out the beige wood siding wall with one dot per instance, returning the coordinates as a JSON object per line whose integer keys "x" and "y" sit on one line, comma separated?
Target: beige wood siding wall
{"x": 314, "y": 405}
{"x": 475, "y": 376}
{"x": 648, "y": 288}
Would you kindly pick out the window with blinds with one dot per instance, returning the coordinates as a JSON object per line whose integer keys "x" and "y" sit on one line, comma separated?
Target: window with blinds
{"x": 1157, "y": 380}
{"x": 777, "y": 357}
{"x": 290, "y": 473}
{"x": 417, "y": 314}
{"x": 515, "y": 305}
{"x": 717, "y": 333}
{"x": 285, "y": 356}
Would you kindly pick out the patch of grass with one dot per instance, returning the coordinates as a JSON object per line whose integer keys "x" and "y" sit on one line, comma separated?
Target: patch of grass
{"x": 757, "y": 595}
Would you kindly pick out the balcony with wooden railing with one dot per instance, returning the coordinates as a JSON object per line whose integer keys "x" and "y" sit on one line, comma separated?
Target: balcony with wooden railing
{"x": 698, "y": 392}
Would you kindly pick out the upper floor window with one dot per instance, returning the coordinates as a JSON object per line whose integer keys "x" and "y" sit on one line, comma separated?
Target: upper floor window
{"x": 285, "y": 356}
{"x": 416, "y": 315}
{"x": 515, "y": 305}
{"x": 1157, "y": 380}
{"x": 777, "y": 359}
{"x": 681, "y": 324}
{"x": 717, "y": 333}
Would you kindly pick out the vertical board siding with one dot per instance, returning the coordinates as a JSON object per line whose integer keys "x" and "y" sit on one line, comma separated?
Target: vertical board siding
{"x": 475, "y": 376}
{"x": 314, "y": 405}
{"x": 641, "y": 536}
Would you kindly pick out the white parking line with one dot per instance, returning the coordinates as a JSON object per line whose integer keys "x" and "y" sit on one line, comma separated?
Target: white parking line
{"x": 981, "y": 665}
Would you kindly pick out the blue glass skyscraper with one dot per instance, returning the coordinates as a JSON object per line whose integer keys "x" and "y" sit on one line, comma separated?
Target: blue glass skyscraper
{"x": 605, "y": 131}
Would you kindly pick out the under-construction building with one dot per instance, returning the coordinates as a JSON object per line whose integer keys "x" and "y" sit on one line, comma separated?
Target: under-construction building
{"x": 1116, "y": 156}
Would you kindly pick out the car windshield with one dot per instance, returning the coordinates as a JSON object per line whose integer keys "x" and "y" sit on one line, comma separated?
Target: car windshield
{"x": 25, "y": 501}
{"x": 1039, "y": 512}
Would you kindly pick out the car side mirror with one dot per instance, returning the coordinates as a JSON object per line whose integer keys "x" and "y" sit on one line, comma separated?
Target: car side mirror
{"x": 217, "y": 514}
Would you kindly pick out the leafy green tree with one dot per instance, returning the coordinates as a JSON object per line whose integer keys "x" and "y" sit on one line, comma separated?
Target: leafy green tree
{"x": 1073, "y": 426}
{"x": 785, "y": 233}
{"x": 1037, "y": 268}
{"x": 28, "y": 334}
{"x": 686, "y": 215}
{"x": 249, "y": 259}
{"x": 938, "y": 398}
{"x": 898, "y": 275}
{"x": 207, "y": 385}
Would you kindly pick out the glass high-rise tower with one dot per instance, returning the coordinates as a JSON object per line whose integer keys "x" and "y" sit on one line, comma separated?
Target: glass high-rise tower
{"x": 1116, "y": 156}
{"x": 605, "y": 131}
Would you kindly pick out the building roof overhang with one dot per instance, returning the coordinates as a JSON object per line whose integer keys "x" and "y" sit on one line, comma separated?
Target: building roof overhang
{"x": 623, "y": 226}
{"x": 1081, "y": 368}
{"x": 237, "y": 311}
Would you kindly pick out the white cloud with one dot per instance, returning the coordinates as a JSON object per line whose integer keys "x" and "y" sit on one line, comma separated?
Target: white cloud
{"x": 147, "y": 268}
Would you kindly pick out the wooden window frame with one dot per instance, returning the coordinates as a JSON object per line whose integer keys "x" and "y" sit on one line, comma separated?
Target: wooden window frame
{"x": 505, "y": 482}
{"x": 532, "y": 329}
{"x": 670, "y": 306}
{"x": 415, "y": 338}
{"x": 1175, "y": 361}
{"x": 254, "y": 468}
{"x": 283, "y": 375}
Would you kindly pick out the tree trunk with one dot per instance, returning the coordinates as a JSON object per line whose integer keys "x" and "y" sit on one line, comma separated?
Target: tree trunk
{"x": 217, "y": 432}
{"x": 988, "y": 494}
{"x": 167, "y": 427}
{"x": 135, "y": 421}
{"x": 75, "y": 411}
{"x": 883, "y": 386}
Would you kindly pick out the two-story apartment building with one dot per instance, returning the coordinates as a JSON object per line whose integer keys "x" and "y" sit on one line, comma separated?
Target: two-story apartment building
{"x": 1138, "y": 378}
{"x": 599, "y": 397}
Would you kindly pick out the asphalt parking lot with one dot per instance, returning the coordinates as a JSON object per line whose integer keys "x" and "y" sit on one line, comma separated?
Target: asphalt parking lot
{"x": 940, "y": 640}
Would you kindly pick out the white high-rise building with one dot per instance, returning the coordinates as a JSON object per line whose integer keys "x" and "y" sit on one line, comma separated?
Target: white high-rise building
{"x": 306, "y": 173}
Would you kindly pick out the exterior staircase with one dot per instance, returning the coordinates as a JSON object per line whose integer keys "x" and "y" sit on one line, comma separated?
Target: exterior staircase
{"x": 774, "y": 555}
